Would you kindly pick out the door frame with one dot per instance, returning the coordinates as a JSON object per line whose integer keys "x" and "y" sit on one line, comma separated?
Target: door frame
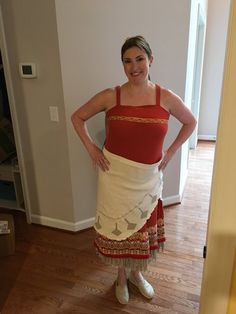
{"x": 197, "y": 73}
{"x": 221, "y": 233}
{"x": 15, "y": 123}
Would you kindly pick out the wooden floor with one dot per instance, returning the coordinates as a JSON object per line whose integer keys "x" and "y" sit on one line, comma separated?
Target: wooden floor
{"x": 58, "y": 272}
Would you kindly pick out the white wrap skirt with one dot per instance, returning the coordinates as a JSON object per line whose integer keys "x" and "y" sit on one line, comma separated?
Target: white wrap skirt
{"x": 127, "y": 194}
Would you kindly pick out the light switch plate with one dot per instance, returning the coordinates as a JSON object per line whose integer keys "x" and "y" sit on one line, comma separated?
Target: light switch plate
{"x": 53, "y": 111}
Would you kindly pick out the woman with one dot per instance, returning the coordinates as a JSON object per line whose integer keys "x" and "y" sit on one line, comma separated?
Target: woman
{"x": 129, "y": 218}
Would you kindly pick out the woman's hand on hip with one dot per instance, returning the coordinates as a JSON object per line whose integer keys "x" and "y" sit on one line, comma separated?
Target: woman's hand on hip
{"x": 165, "y": 160}
{"x": 98, "y": 158}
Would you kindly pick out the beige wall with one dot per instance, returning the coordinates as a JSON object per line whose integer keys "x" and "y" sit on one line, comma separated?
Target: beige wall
{"x": 221, "y": 238}
{"x": 31, "y": 36}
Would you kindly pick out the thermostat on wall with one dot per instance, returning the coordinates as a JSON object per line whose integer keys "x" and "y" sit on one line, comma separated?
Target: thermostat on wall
{"x": 27, "y": 70}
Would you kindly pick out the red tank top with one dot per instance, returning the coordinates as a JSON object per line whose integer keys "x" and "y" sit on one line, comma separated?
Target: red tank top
{"x": 136, "y": 132}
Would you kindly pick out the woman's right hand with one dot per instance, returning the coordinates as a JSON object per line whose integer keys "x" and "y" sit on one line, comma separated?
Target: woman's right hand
{"x": 98, "y": 158}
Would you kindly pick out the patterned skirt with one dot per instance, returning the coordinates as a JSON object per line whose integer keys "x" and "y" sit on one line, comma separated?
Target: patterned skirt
{"x": 136, "y": 251}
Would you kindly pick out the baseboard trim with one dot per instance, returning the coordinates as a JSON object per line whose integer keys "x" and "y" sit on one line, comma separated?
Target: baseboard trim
{"x": 171, "y": 200}
{"x": 207, "y": 137}
{"x": 84, "y": 224}
{"x": 62, "y": 224}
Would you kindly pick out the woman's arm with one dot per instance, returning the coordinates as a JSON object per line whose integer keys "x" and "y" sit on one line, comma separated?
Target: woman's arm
{"x": 176, "y": 107}
{"x": 100, "y": 102}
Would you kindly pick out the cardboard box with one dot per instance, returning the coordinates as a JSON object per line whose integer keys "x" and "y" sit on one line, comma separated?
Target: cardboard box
{"x": 7, "y": 240}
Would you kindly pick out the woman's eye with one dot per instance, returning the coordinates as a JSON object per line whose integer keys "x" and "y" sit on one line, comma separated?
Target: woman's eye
{"x": 140, "y": 59}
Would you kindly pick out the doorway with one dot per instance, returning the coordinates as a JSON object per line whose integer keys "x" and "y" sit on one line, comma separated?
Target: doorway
{"x": 12, "y": 172}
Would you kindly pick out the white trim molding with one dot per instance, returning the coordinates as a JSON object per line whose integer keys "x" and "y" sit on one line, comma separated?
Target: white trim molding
{"x": 207, "y": 137}
{"x": 63, "y": 224}
{"x": 172, "y": 200}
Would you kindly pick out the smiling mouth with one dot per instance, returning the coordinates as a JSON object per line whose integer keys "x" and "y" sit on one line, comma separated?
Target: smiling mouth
{"x": 135, "y": 73}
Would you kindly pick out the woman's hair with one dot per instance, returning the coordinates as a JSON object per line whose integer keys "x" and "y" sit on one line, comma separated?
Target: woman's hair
{"x": 136, "y": 41}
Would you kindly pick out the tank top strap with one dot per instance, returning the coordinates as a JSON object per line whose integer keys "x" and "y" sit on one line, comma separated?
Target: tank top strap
{"x": 118, "y": 95}
{"x": 158, "y": 95}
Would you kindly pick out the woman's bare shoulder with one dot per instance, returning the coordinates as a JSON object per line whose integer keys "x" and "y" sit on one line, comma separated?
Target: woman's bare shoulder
{"x": 169, "y": 99}
{"x": 108, "y": 92}
{"x": 108, "y": 97}
{"x": 167, "y": 94}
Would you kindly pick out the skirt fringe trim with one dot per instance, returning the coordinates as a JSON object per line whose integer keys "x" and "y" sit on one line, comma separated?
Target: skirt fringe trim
{"x": 131, "y": 263}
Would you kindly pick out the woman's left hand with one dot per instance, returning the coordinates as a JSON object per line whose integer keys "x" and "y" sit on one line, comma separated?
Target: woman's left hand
{"x": 165, "y": 160}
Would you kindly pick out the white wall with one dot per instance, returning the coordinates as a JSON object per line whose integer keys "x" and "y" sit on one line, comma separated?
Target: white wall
{"x": 91, "y": 34}
{"x": 217, "y": 23}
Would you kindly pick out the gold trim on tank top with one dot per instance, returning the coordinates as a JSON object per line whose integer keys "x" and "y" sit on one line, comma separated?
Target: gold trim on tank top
{"x": 137, "y": 119}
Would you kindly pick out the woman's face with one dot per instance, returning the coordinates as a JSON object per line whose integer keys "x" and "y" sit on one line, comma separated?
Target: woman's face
{"x": 136, "y": 65}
